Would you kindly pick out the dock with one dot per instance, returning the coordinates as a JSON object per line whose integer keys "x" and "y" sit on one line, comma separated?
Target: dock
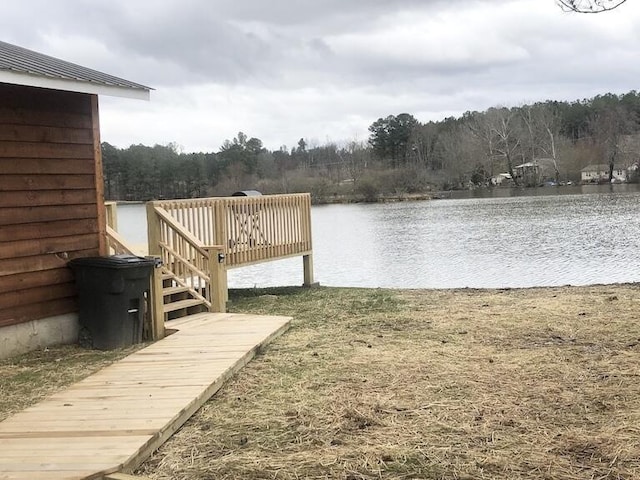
{"x": 113, "y": 420}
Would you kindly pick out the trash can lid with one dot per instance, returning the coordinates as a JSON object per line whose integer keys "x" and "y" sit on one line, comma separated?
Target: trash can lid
{"x": 246, "y": 193}
{"x": 113, "y": 261}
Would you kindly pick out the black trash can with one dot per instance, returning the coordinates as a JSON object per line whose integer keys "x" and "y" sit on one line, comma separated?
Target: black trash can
{"x": 111, "y": 298}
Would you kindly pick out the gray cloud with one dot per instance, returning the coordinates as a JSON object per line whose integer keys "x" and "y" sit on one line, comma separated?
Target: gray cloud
{"x": 325, "y": 69}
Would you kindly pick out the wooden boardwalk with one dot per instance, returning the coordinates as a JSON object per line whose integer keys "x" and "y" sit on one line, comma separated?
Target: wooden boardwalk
{"x": 114, "y": 419}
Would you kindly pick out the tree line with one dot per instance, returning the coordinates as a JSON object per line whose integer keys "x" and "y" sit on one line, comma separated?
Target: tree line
{"x": 402, "y": 155}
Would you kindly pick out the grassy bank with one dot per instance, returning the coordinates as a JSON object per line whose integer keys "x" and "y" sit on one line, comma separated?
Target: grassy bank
{"x": 459, "y": 384}
{"x": 440, "y": 384}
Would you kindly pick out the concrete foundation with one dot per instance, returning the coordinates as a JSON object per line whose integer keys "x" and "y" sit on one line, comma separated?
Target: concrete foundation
{"x": 29, "y": 336}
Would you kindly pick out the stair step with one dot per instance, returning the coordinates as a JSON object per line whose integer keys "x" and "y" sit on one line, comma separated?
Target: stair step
{"x": 171, "y": 307}
{"x": 173, "y": 290}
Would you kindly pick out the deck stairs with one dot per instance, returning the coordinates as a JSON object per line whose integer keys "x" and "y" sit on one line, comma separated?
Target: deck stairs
{"x": 179, "y": 298}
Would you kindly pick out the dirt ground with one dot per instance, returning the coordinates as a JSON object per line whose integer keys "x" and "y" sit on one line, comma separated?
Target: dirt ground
{"x": 439, "y": 384}
{"x": 397, "y": 384}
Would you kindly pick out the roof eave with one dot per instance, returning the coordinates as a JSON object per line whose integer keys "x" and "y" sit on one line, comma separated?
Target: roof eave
{"x": 15, "y": 78}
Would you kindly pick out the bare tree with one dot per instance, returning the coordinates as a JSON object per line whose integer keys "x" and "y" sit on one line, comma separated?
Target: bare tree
{"x": 460, "y": 147}
{"x": 607, "y": 127}
{"x": 355, "y": 158}
{"x": 589, "y": 6}
{"x": 504, "y": 125}
{"x": 424, "y": 144}
{"x": 482, "y": 130}
{"x": 543, "y": 126}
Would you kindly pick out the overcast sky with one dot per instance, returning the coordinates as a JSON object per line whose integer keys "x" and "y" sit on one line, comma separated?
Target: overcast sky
{"x": 324, "y": 70}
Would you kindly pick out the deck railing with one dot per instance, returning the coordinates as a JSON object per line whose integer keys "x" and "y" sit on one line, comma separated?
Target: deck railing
{"x": 250, "y": 229}
{"x": 198, "y": 240}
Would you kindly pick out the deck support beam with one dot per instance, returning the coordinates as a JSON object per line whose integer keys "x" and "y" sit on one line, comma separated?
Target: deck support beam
{"x": 307, "y": 265}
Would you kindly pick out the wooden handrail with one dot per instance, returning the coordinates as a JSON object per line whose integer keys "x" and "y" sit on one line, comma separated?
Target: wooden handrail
{"x": 183, "y": 232}
{"x": 116, "y": 242}
{"x": 194, "y": 269}
{"x": 185, "y": 256}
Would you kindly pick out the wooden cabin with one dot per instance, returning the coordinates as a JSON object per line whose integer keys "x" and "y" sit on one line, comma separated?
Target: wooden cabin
{"x": 51, "y": 191}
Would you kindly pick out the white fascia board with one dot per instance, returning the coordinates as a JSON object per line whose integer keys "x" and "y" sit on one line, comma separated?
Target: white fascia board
{"x": 72, "y": 85}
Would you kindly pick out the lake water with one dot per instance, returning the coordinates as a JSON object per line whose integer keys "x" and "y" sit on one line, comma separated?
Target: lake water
{"x": 550, "y": 236}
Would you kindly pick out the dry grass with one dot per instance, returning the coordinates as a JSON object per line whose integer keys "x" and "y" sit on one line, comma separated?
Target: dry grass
{"x": 458, "y": 384}
{"x": 452, "y": 384}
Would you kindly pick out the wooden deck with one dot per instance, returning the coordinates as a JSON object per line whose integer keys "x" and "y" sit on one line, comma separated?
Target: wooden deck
{"x": 114, "y": 419}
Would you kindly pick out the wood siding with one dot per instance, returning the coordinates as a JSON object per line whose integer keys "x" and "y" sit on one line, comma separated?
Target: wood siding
{"x": 50, "y": 198}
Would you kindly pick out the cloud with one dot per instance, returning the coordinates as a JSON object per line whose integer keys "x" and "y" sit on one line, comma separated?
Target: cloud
{"x": 325, "y": 69}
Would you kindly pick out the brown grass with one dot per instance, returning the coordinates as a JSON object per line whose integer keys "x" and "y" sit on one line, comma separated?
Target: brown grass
{"x": 456, "y": 384}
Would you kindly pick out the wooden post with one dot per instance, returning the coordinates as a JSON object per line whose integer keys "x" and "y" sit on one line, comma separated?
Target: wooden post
{"x": 153, "y": 230}
{"x": 307, "y": 260}
{"x": 156, "y": 302}
{"x": 99, "y": 177}
{"x": 307, "y": 265}
{"x": 217, "y": 278}
{"x": 156, "y": 293}
{"x": 112, "y": 214}
{"x": 220, "y": 223}
{"x": 221, "y": 239}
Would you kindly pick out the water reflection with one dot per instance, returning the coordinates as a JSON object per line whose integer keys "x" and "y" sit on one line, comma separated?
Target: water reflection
{"x": 510, "y": 241}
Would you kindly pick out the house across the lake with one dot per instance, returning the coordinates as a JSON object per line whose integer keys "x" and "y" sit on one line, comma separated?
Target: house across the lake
{"x": 535, "y": 172}
{"x": 52, "y": 204}
{"x": 501, "y": 179}
{"x": 600, "y": 173}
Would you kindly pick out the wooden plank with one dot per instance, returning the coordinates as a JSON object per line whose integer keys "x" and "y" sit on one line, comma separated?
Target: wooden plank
{"x": 42, "y": 246}
{"x": 37, "y": 295}
{"x": 77, "y": 458}
{"x": 47, "y": 166}
{"x": 60, "y": 475}
{"x": 15, "y": 315}
{"x": 53, "y": 467}
{"x": 22, "y": 281}
{"x": 44, "y": 134}
{"x": 27, "y": 116}
{"x": 124, "y": 476}
{"x": 19, "y": 182}
{"x": 180, "y": 304}
{"x": 47, "y": 198}
{"x": 13, "y": 266}
{"x": 41, "y": 100}
{"x": 51, "y": 229}
{"x": 26, "y": 215}
{"x": 45, "y": 150}
{"x": 80, "y": 443}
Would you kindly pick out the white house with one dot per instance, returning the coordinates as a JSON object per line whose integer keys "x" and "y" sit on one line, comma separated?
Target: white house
{"x": 600, "y": 173}
{"x": 501, "y": 177}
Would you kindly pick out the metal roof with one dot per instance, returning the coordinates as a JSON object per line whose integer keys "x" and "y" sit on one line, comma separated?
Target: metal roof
{"x": 23, "y": 62}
